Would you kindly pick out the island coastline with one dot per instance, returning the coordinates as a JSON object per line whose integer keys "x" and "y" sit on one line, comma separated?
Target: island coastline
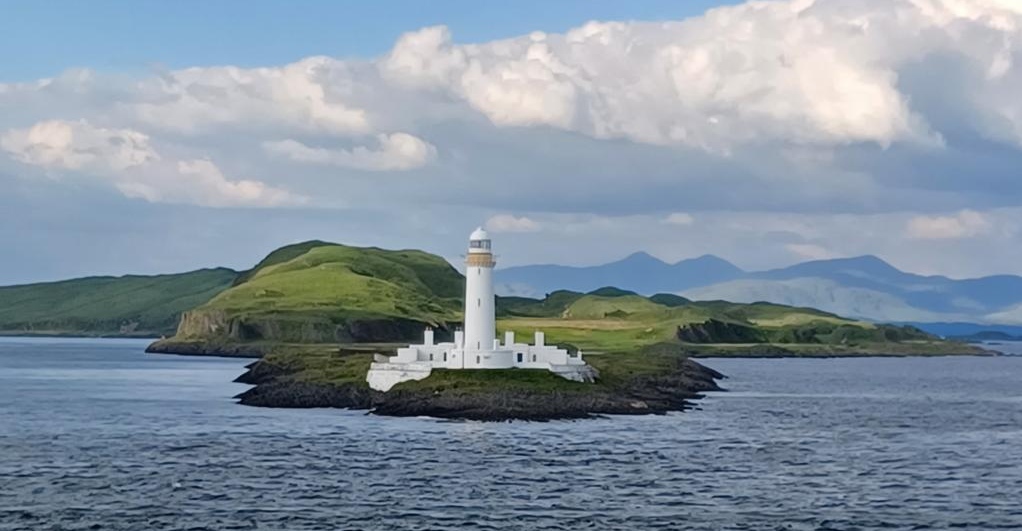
{"x": 482, "y": 395}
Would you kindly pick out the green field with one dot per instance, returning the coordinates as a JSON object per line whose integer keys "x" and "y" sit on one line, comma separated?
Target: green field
{"x": 144, "y": 306}
{"x": 326, "y": 364}
{"x": 615, "y": 321}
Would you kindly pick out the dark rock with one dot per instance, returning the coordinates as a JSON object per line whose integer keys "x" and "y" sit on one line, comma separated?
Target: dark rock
{"x": 672, "y": 390}
{"x": 260, "y": 373}
{"x": 284, "y": 393}
{"x": 716, "y": 331}
{"x": 217, "y": 326}
{"x": 198, "y": 348}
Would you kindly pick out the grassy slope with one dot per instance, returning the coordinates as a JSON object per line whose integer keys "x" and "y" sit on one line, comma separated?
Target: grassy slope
{"x": 629, "y": 323}
{"x": 129, "y": 305}
{"x": 606, "y": 320}
{"x": 350, "y": 281}
{"x": 316, "y": 282}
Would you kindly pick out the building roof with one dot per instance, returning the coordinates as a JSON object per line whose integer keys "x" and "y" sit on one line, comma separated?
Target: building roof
{"x": 479, "y": 234}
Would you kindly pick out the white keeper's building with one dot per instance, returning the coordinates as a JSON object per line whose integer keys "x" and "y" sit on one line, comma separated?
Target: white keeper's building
{"x": 477, "y": 347}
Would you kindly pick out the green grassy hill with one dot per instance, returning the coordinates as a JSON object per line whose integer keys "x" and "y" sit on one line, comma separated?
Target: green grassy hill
{"x": 619, "y": 321}
{"x": 316, "y": 292}
{"x": 142, "y": 306}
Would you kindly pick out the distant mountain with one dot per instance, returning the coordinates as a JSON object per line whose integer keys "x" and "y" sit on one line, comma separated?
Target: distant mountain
{"x": 132, "y": 305}
{"x": 863, "y": 287}
{"x": 821, "y": 293}
{"x": 967, "y": 329}
{"x": 932, "y": 293}
{"x": 988, "y": 335}
{"x": 638, "y": 272}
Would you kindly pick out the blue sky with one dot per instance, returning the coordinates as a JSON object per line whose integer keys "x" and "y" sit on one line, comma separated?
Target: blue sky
{"x": 151, "y": 137}
{"x": 40, "y": 39}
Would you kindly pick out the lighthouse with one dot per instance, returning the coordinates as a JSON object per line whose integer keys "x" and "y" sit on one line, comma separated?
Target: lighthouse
{"x": 476, "y": 345}
{"x": 480, "y": 311}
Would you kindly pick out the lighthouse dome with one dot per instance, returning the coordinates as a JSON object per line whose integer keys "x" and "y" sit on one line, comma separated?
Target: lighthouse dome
{"x": 479, "y": 234}
{"x": 479, "y": 242}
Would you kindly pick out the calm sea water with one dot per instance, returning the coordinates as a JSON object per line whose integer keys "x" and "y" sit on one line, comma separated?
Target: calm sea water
{"x": 97, "y": 435}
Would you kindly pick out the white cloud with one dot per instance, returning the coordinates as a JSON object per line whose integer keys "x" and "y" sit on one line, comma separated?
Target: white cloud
{"x": 125, "y": 159}
{"x": 424, "y": 58}
{"x": 964, "y": 224}
{"x": 793, "y": 72}
{"x": 313, "y": 94}
{"x": 58, "y": 144}
{"x": 786, "y": 105}
{"x": 679, "y": 218}
{"x": 393, "y": 152}
{"x": 510, "y": 223}
{"x": 713, "y": 82}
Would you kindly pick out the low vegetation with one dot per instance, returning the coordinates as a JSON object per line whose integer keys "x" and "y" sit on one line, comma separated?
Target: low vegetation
{"x": 143, "y": 306}
{"x": 316, "y": 292}
{"x": 346, "y": 366}
{"x": 611, "y": 320}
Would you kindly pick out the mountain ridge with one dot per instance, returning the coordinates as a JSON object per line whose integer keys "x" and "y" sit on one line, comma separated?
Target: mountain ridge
{"x": 839, "y": 285}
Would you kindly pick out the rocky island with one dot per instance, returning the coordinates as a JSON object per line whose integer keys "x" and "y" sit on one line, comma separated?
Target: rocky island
{"x": 331, "y": 377}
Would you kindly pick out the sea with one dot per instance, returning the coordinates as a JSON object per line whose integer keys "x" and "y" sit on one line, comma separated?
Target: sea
{"x": 95, "y": 434}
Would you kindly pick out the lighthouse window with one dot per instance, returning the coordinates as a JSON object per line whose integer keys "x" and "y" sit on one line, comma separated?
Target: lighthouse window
{"x": 533, "y": 357}
{"x": 479, "y": 244}
{"x": 519, "y": 357}
{"x": 479, "y": 303}
{"x": 445, "y": 356}
{"x": 430, "y": 356}
{"x": 477, "y": 360}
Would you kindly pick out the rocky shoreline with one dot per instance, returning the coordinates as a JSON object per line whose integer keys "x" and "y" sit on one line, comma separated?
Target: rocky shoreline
{"x": 203, "y": 348}
{"x": 646, "y": 394}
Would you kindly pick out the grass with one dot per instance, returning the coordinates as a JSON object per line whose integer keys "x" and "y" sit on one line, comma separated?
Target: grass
{"x": 128, "y": 305}
{"x": 308, "y": 291}
{"x": 795, "y": 319}
{"x": 619, "y": 368}
{"x": 326, "y": 364}
{"x": 890, "y": 348}
{"x": 631, "y": 323}
{"x": 341, "y": 281}
{"x": 488, "y": 380}
{"x": 316, "y": 291}
{"x": 348, "y": 364}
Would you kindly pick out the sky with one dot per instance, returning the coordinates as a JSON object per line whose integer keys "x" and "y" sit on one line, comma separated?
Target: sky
{"x": 154, "y": 137}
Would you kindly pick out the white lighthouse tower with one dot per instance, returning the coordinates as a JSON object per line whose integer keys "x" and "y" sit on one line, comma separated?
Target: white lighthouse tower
{"x": 480, "y": 301}
{"x": 477, "y": 347}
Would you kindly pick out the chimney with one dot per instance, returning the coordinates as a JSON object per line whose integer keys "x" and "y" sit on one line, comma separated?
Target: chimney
{"x": 428, "y": 339}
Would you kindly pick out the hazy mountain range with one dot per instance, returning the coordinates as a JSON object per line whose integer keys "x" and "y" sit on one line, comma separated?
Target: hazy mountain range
{"x": 865, "y": 287}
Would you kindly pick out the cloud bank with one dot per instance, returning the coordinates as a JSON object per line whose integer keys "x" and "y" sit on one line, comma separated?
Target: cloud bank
{"x": 126, "y": 159}
{"x": 904, "y": 110}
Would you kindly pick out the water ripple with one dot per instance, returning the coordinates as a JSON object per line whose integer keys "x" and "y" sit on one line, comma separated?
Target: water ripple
{"x": 798, "y": 445}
